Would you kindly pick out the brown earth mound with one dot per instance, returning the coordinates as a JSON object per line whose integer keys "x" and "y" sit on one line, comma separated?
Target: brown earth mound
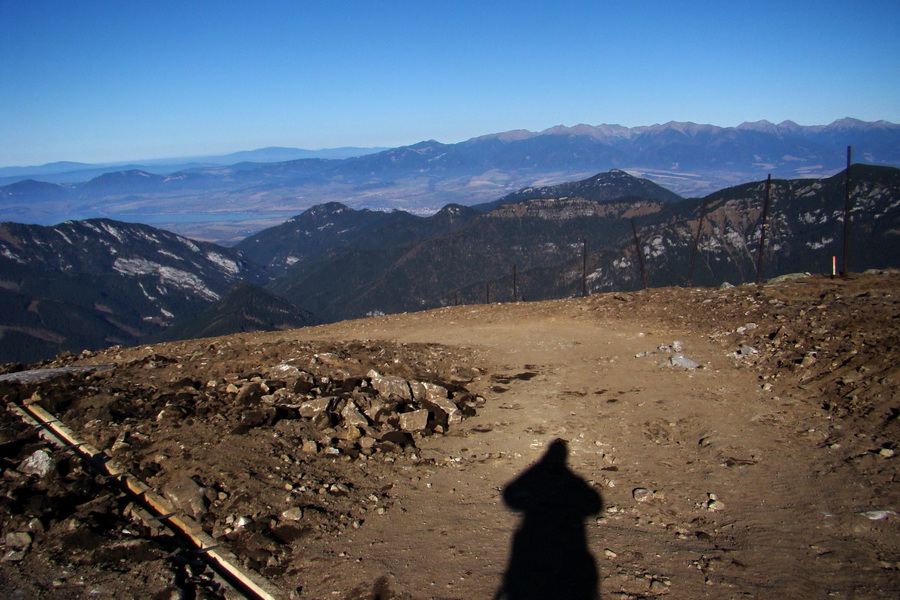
{"x": 709, "y": 444}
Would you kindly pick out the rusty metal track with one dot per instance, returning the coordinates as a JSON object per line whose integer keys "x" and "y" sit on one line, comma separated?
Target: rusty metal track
{"x": 221, "y": 560}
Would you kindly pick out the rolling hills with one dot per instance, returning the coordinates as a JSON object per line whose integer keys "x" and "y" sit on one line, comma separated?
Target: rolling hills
{"x": 227, "y": 202}
{"x": 93, "y": 283}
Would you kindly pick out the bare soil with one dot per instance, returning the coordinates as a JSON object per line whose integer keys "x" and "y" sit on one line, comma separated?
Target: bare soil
{"x": 678, "y": 443}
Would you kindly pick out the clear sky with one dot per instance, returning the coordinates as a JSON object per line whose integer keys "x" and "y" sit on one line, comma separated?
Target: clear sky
{"x": 117, "y": 80}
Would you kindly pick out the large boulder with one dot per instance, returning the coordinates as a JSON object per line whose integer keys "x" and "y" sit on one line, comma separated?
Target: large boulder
{"x": 390, "y": 385}
{"x": 436, "y": 399}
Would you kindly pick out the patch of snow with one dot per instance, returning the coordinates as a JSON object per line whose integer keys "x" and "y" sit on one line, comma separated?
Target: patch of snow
{"x": 655, "y": 247}
{"x": 167, "y": 275}
{"x": 166, "y": 313}
{"x": 289, "y": 260}
{"x": 149, "y": 237}
{"x": 187, "y": 281}
{"x": 135, "y": 266}
{"x": 820, "y": 244}
{"x": 226, "y": 264}
{"x": 169, "y": 254}
{"x": 734, "y": 239}
{"x": 149, "y": 297}
{"x": 113, "y": 232}
{"x": 189, "y": 244}
{"x": 9, "y": 254}
{"x": 808, "y": 218}
{"x": 63, "y": 236}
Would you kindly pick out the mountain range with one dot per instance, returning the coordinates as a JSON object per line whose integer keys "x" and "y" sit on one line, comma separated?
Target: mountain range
{"x": 94, "y": 283}
{"x": 97, "y": 282}
{"x": 227, "y": 202}
{"x": 77, "y": 172}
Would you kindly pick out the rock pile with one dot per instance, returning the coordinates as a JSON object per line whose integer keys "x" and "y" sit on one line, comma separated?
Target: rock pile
{"x": 351, "y": 417}
{"x": 269, "y": 447}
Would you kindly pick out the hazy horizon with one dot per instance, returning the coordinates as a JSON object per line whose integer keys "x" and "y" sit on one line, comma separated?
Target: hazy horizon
{"x": 102, "y": 83}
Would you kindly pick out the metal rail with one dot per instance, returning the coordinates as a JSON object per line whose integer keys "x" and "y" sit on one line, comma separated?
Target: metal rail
{"x": 221, "y": 560}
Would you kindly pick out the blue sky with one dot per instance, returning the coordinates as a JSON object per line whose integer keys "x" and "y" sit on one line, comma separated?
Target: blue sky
{"x": 106, "y": 81}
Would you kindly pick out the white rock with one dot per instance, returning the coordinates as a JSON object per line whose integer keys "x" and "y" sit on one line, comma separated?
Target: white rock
{"x": 295, "y": 513}
{"x": 416, "y": 420}
{"x": 878, "y": 515}
{"x": 642, "y": 494}
{"x": 40, "y": 463}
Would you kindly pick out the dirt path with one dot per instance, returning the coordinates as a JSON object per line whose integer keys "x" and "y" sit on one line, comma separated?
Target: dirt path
{"x": 690, "y": 463}
{"x": 770, "y": 472}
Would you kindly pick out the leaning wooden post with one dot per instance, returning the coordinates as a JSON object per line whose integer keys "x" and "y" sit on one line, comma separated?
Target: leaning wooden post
{"x": 584, "y": 267}
{"x": 515, "y": 285}
{"x": 762, "y": 235}
{"x": 690, "y": 277}
{"x": 845, "y": 268}
{"x": 637, "y": 247}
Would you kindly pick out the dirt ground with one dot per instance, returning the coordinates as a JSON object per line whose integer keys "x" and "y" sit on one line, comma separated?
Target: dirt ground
{"x": 678, "y": 443}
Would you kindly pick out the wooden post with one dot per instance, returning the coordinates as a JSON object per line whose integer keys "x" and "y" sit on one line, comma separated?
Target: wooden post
{"x": 690, "y": 277}
{"x": 584, "y": 268}
{"x": 515, "y": 284}
{"x": 762, "y": 234}
{"x": 637, "y": 247}
{"x": 845, "y": 263}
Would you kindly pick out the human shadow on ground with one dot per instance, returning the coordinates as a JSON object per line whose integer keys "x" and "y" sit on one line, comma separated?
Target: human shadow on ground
{"x": 550, "y": 556}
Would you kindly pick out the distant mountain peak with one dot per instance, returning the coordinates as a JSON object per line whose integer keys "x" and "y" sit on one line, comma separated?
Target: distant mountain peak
{"x": 128, "y": 173}
{"x": 327, "y": 209}
{"x": 603, "y": 187}
{"x": 514, "y": 135}
{"x": 425, "y": 144}
{"x": 454, "y": 212}
{"x": 850, "y": 123}
{"x": 129, "y": 176}
{"x": 32, "y": 186}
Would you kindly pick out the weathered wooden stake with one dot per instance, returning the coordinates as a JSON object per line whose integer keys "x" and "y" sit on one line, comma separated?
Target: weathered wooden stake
{"x": 584, "y": 268}
{"x": 637, "y": 247}
{"x": 762, "y": 234}
{"x": 845, "y": 264}
{"x": 515, "y": 285}
{"x": 690, "y": 277}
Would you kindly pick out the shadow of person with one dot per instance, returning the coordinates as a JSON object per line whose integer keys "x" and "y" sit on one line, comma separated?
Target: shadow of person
{"x": 550, "y": 556}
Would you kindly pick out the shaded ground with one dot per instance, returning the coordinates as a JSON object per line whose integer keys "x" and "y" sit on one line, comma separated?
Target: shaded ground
{"x": 768, "y": 470}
